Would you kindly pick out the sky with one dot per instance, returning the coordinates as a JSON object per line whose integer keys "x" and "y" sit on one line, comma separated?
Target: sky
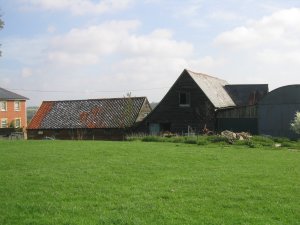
{"x": 83, "y": 49}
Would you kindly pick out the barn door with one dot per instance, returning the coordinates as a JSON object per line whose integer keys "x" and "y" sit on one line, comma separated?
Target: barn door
{"x": 154, "y": 128}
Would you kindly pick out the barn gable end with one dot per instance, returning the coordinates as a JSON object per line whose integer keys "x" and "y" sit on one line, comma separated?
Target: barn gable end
{"x": 189, "y": 105}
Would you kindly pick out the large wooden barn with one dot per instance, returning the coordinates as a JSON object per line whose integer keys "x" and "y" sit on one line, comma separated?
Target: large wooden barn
{"x": 90, "y": 119}
{"x": 193, "y": 103}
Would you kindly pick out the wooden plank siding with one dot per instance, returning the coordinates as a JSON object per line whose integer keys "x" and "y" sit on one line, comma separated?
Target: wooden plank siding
{"x": 201, "y": 111}
{"x": 238, "y": 112}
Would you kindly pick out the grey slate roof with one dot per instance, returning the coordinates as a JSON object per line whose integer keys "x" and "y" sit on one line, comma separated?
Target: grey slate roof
{"x": 8, "y": 95}
{"x": 92, "y": 113}
{"x": 214, "y": 89}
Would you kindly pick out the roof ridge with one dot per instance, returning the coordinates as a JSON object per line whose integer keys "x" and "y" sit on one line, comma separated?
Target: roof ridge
{"x": 203, "y": 74}
{"x": 94, "y": 99}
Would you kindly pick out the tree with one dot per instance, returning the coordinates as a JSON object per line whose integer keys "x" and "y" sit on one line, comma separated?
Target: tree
{"x": 295, "y": 125}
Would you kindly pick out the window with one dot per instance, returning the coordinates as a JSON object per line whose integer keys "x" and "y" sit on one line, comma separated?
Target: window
{"x": 4, "y": 123}
{"x": 17, "y": 105}
{"x": 3, "y": 106}
{"x": 17, "y": 123}
{"x": 184, "y": 99}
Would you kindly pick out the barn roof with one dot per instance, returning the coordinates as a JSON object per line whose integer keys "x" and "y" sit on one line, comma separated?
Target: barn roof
{"x": 247, "y": 94}
{"x": 91, "y": 113}
{"x": 8, "y": 95}
{"x": 213, "y": 88}
{"x": 286, "y": 95}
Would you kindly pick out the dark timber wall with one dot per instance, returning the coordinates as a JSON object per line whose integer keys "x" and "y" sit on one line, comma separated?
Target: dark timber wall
{"x": 170, "y": 116}
{"x": 238, "y": 119}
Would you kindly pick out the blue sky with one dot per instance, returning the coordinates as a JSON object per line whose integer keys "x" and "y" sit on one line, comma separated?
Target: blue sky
{"x": 78, "y": 49}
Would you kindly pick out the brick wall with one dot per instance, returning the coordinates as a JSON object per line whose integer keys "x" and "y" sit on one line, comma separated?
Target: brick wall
{"x": 11, "y": 114}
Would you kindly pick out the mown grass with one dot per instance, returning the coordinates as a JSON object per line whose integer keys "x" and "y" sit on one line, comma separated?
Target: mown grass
{"x": 65, "y": 182}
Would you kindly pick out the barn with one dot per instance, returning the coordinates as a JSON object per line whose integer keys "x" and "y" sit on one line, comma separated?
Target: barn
{"x": 193, "y": 103}
{"x": 277, "y": 110}
{"x": 108, "y": 119}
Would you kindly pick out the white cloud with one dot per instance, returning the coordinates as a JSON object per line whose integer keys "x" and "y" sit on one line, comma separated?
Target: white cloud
{"x": 263, "y": 49}
{"x": 281, "y": 29}
{"x": 78, "y": 7}
{"x": 95, "y": 43}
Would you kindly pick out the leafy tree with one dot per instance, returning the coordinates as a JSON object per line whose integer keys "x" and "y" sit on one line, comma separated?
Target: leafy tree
{"x": 295, "y": 125}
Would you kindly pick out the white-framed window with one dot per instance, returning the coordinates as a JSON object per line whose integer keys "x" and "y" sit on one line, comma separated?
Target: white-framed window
{"x": 184, "y": 99}
{"x": 3, "y": 106}
{"x": 4, "y": 123}
{"x": 17, "y": 122}
{"x": 17, "y": 105}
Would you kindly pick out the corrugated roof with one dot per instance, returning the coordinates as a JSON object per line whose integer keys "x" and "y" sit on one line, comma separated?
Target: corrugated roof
{"x": 213, "y": 88}
{"x": 92, "y": 113}
{"x": 8, "y": 95}
{"x": 247, "y": 94}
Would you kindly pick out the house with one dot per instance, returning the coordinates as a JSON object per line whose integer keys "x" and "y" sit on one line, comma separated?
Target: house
{"x": 12, "y": 110}
{"x": 193, "y": 103}
{"x": 110, "y": 118}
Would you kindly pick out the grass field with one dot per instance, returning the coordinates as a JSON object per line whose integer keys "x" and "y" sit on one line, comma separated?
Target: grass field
{"x": 84, "y": 182}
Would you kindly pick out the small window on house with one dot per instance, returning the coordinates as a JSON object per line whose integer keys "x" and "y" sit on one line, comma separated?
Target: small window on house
{"x": 17, "y": 123}
{"x": 3, "y": 123}
{"x": 184, "y": 99}
{"x": 17, "y": 105}
{"x": 3, "y": 106}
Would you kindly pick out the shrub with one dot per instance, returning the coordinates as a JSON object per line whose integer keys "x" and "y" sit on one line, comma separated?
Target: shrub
{"x": 295, "y": 125}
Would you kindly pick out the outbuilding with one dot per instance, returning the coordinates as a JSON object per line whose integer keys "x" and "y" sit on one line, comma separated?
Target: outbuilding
{"x": 277, "y": 110}
{"x": 193, "y": 102}
{"x": 109, "y": 119}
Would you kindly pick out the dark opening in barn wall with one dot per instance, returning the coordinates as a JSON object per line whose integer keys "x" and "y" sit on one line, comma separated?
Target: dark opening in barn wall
{"x": 277, "y": 110}
{"x": 238, "y": 119}
{"x": 238, "y": 125}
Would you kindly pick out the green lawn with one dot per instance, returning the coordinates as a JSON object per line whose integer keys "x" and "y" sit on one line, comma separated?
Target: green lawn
{"x": 85, "y": 182}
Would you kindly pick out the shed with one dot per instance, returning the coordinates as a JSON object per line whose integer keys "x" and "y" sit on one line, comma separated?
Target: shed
{"x": 277, "y": 110}
{"x": 110, "y": 118}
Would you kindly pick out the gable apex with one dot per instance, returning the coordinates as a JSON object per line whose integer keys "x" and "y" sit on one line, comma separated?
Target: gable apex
{"x": 213, "y": 88}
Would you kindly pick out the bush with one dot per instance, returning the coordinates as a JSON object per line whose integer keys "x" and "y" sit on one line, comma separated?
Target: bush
{"x": 295, "y": 125}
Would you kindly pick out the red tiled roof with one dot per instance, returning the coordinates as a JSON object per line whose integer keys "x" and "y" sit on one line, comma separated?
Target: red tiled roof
{"x": 91, "y": 113}
{"x": 40, "y": 114}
